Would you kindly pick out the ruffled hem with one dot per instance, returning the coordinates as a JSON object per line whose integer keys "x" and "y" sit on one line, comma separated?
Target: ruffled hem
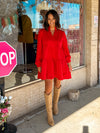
{"x": 39, "y": 77}
{"x": 51, "y": 69}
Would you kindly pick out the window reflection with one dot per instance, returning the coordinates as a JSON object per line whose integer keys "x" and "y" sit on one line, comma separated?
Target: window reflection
{"x": 19, "y": 26}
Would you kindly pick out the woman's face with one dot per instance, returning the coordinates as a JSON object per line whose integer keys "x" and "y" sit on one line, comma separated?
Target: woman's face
{"x": 51, "y": 20}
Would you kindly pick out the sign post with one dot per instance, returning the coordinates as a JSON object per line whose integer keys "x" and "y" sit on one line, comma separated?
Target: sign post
{"x": 2, "y": 87}
{"x": 8, "y": 62}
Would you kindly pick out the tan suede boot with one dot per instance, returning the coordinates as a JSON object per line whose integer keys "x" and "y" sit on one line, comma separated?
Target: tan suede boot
{"x": 55, "y": 99}
{"x": 48, "y": 102}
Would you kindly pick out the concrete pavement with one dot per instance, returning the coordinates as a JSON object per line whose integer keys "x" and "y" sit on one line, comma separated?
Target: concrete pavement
{"x": 82, "y": 116}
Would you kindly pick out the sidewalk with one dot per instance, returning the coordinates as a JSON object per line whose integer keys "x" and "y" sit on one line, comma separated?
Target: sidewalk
{"x": 82, "y": 116}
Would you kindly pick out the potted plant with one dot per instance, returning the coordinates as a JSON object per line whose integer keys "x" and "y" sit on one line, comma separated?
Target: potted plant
{"x": 5, "y": 110}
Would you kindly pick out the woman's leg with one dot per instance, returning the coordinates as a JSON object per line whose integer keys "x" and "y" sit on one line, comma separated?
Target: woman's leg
{"x": 57, "y": 88}
{"x": 48, "y": 100}
{"x": 48, "y": 86}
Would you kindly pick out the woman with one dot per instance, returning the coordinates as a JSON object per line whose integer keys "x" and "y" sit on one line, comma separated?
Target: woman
{"x": 53, "y": 61}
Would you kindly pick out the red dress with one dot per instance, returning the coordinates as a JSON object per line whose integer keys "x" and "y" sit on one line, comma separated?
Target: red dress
{"x": 53, "y": 55}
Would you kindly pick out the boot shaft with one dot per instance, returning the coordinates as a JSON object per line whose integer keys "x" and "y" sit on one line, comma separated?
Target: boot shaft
{"x": 56, "y": 94}
{"x": 48, "y": 102}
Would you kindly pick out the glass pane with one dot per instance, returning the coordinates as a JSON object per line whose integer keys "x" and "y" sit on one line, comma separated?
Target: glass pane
{"x": 19, "y": 25}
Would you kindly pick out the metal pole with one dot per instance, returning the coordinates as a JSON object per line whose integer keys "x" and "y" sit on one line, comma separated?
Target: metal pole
{"x": 2, "y": 87}
{"x": 25, "y": 71}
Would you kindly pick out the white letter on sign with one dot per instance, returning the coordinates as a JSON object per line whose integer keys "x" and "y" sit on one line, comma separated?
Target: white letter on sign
{"x": 4, "y": 54}
{"x": 11, "y": 56}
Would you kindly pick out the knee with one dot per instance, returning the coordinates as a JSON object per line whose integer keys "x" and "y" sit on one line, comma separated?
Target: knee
{"x": 48, "y": 90}
{"x": 58, "y": 86}
{"x": 57, "y": 83}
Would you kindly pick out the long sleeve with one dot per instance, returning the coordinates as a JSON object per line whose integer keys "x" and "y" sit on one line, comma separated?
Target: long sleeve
{"x": 65, "y": 48}
{"x": 39, "y": 50}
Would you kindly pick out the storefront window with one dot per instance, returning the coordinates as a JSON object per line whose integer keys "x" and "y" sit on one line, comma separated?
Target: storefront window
{"x": 20, "y": 22}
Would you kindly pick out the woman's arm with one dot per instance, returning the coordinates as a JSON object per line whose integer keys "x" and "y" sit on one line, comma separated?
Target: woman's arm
{"x": 66, "y": 51}
{"x": 70, "y": 67}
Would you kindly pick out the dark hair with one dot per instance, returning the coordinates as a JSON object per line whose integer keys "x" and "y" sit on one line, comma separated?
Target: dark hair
{"x": 55, "y": 15}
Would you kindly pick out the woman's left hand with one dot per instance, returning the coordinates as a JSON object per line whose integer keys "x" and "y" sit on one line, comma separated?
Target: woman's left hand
{"x": 70, "y": 67}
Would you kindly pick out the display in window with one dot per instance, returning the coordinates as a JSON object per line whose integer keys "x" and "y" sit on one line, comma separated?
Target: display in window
{"x": 11, "y": 29}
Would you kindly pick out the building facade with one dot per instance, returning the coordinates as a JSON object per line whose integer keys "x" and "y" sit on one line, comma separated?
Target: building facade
{"x": 79, "y": 20}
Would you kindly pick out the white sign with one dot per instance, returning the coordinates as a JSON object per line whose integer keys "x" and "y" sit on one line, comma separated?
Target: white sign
{"x": 96, "y": 21}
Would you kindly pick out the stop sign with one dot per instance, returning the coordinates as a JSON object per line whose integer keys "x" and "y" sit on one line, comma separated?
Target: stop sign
{"x": 8, "y": 59}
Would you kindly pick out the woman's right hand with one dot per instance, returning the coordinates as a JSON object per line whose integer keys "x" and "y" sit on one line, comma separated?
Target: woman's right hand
{"x": 39, "y": 69}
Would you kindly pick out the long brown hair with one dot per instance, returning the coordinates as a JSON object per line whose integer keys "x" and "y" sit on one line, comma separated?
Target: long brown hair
{"x": 55, "y": 15}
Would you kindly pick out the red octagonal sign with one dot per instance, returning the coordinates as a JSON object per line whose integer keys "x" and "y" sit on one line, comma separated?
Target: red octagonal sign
{"x": 8, "y": 59}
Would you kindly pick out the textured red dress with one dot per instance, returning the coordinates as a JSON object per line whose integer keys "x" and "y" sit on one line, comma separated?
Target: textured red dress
{"x": 53, "y": 55}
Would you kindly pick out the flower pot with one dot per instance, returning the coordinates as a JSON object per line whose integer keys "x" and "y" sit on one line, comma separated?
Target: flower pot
{"x": 9, "y": 128}
{"x": 73, "y": 94}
